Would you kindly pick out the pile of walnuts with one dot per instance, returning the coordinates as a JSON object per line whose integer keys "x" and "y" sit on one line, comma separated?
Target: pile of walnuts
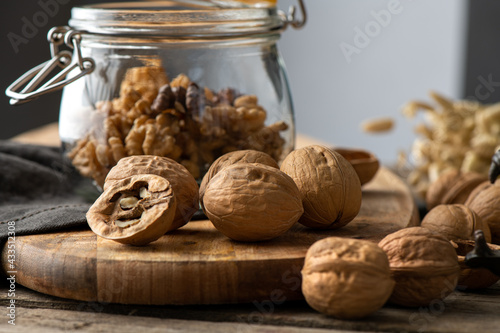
{"x": 175, "y": 119}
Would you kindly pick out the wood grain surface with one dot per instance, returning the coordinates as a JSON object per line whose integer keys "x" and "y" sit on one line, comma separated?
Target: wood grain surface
{"x": 196, "y": 264}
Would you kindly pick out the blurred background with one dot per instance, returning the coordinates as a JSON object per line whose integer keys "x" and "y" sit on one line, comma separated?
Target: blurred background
{"x": 353, "y": 61}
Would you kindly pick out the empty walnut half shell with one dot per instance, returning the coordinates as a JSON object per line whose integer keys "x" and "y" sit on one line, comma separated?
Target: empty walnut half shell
{"x": 136, "y": 210}
{"x": 364, "y": 163}
{"x": 183, "y": 183}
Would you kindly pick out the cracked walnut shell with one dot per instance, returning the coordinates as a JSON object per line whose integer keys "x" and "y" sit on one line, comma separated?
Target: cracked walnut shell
{"x": 346, "y": 278}
{"x": 423, "y": 264}
{"x": 329, "y": 186}
{"x": 252, "y": 202}
{"x": 183, "y": 183}
{"x": 136, "y": 210}
{"x": 455, "y": 222}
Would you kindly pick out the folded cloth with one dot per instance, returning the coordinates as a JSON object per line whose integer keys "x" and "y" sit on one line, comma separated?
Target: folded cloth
{"x": 39, "y": 191}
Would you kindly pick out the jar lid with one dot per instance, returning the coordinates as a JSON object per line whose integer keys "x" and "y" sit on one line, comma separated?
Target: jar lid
{"x": 178, "y": 19}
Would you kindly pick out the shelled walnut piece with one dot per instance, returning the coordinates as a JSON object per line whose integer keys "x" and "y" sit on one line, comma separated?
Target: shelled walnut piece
{"x": 424, "y": 265}
{"x": 135, "y": 210}
{"x": 175, "y": 119}
{"x": 458, "y": 135}
{"x": 346, "y": 278}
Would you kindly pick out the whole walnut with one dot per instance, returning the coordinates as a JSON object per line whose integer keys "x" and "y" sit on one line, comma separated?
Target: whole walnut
{"x": 252, "y": 202}
{"x": 346, "y": 278}
{"x": 452, "y": 187}
{"x": 485, "y": 201}
{"x": 238, "y": 156}
{"x": 423, "y": 264}
{"x": 455, "y": 222}
{"x": 183, "y": 183}
{"x": 473, "y": 278}
{"x": 329, "y": 186}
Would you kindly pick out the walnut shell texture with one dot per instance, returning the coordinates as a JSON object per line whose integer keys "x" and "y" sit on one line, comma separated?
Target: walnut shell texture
{"x": 452, "y": 187}
{"x": 423, "y": 264}
{"x": 346, "y": 278}
{"x": 485, "y": 201}
{"x": 455, "y": 222}
{"x": 473, "y": 278}
{"x": 183, "y": 183}
{"x": 252, "y": 202}
{"x": 238, "y": 156}
{"x": 329, "y": 185}
{"x": 136, "y": 210}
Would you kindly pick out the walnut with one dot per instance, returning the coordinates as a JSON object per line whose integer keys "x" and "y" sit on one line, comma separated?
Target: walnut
{"x": 329, "y": 186}
{"x": 239, "y": 156}
{"x": 135, "y": 210}
{"x": 485, "y": 201}
{"x": 346, "y": 278}
{"x": 252, "y": 202}
{"x": 364, "y": 162}
{"x": 473, "y": 278}
{"x": 452, "y": 187}
{"x": 146, "y": 81}
{"x": 455, "y": 222}
{"x": 423, "y": 264}
{"x": 183, "y": 183}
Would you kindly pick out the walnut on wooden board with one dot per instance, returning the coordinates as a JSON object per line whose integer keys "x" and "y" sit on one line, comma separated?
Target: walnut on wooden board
{"x": 135, "y": 210}
{"x": 252, "y": 202}
{"x": 329, "y": 186}
{"x": 238, "y": 156}
{"x": 183, "y": 183}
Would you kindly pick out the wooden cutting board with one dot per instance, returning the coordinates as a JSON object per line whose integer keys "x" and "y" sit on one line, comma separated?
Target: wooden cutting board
{"x": 196, "y": 264}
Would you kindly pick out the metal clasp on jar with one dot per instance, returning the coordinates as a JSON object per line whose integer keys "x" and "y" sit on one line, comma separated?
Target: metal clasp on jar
{"x": 32, "y": 80}
{"x": 66, "y": 60}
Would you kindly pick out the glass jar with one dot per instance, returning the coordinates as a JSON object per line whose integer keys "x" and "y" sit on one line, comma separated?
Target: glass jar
{"x": 189, "y": 80}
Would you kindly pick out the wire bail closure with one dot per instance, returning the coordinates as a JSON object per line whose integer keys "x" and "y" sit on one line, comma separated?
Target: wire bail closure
{"x": 66, "y": 60}
{"x": 290, "y": 18}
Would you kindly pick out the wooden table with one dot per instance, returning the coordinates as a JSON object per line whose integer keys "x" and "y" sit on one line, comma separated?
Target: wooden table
{"x": 36, "y": 312}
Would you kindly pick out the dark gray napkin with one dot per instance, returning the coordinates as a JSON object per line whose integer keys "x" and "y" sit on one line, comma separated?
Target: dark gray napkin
{"x": 39, "y": 191}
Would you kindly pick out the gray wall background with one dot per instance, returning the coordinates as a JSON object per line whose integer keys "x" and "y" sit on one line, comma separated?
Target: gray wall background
{"x": 418, "y": 47}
